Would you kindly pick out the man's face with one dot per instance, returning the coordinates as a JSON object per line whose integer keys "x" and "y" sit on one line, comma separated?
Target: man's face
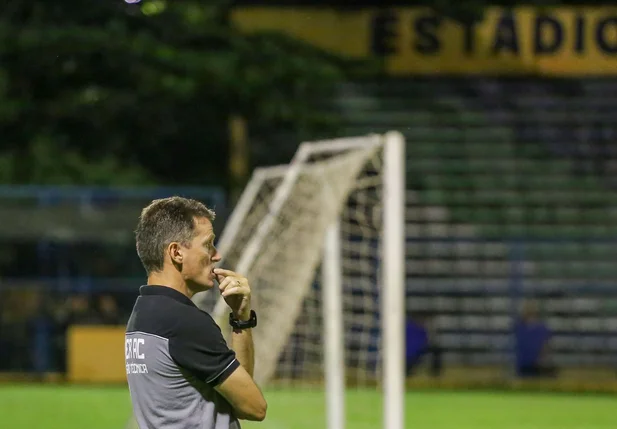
{"x": 200, "y": 258}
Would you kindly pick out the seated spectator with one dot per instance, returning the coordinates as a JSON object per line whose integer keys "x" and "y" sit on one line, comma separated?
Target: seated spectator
{"x": 420, "y": 342}
{"x": 75, "y": 309}
{"x": 81, "y": 311}
{"x": 108, "y": 311}
{"x": 532, "y": 344}
{"x": 40, "y": 332}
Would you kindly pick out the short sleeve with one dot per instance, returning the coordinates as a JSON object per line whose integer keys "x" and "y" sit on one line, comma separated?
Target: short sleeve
{"x": 198, "y": 346}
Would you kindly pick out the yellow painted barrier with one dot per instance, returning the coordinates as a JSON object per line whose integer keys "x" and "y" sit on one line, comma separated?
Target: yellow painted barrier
{"x": 542, "y": 41}
{"x": 95, "y": 354}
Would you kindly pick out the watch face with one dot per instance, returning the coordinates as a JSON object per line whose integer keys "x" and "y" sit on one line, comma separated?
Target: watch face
{"x": 243, "y": 324}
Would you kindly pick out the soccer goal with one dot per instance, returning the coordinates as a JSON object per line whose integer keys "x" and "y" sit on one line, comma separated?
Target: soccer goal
{"x": 322, "y": 242}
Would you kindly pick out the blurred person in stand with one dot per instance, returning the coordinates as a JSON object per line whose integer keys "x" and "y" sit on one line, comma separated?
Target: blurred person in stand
{"x": 108, "y": 311}
{"x": 74, "y": 310}
{"x": 420, "y": 340}
{"x": 533, "y": 343}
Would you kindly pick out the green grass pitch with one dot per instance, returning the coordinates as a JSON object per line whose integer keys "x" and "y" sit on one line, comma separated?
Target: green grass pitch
{"x": 66, "y": 407}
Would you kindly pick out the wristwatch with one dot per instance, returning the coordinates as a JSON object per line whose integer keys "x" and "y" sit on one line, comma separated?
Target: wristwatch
{"x": 243, "y": 324}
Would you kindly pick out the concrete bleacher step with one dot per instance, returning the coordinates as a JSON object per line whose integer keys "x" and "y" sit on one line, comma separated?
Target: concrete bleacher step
{"x": 495, "y": 305}
{"x": 565, "y": 329}
{"x": 469, "y": 285}
{"x": 461, "y": 268}
{"x": 451, "y": 250}
{"x": 475, "y": 302}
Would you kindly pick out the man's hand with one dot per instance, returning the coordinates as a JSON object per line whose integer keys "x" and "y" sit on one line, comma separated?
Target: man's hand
{"x": 236, "y": 291}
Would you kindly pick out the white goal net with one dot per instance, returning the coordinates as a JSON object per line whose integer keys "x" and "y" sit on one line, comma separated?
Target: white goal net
{"x": 275, "y": 237}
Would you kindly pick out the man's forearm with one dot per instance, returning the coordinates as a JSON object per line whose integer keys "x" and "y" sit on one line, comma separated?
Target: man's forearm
{"x": 242, "y": 344}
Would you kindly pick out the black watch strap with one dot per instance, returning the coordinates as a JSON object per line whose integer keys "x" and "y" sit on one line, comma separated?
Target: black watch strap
{"x": 243, "y": 324}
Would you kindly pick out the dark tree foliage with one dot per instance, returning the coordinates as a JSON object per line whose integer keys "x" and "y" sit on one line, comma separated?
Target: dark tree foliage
{"x": 105, "y": 92}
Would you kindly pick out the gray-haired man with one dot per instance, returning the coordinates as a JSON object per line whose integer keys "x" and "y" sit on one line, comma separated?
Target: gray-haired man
{"x": 181, "y": 374}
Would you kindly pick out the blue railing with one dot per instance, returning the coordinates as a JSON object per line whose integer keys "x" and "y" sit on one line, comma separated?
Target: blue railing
{"x": 214, "y": 195}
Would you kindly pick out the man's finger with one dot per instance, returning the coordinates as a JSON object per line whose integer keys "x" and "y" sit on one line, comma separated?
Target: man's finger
{"x": 224, "y": 272}
{"x": 227, "y": 281}
{"x": 221, "y": 277}
{"x": 236, "y": 290}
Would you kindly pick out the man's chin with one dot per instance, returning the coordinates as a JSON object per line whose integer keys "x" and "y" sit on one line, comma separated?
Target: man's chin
{"x": 206, "y": 285}
{"x": 201, "y": 286}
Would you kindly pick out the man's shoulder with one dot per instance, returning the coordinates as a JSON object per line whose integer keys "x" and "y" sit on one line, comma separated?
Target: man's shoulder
{"x": 168, "y": 318}
{"x": 195, "y": 320}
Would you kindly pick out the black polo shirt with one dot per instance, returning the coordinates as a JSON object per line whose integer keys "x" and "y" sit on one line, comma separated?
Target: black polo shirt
{"x": 175, "y": 355}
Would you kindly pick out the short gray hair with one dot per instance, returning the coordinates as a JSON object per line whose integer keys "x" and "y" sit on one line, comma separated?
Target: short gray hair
{"x": 165, "y": 221}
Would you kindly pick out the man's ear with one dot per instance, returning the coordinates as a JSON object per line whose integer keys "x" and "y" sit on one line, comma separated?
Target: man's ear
{"x": 175, "y": 253}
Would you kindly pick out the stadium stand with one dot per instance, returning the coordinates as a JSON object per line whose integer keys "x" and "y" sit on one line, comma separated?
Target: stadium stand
{"x": 511, "y": 196}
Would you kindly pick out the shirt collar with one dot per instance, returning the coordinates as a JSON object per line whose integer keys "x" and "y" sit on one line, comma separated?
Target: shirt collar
{"x": 165, "y": 291}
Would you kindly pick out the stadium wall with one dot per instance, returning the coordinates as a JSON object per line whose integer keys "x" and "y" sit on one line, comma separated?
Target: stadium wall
{"x": 551, "y": 41}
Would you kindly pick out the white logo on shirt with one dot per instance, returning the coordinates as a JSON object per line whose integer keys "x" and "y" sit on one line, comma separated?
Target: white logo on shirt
{"x": 133, "y": 350}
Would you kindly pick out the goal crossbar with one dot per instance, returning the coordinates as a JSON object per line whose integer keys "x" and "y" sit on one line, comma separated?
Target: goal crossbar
{"x": 290, "y": 174}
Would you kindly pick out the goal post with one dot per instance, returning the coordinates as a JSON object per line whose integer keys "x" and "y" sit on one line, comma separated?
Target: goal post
{"x": 393, "y": 271}
{"x": 322, "y": 241}
{"x": 334, "y": 339}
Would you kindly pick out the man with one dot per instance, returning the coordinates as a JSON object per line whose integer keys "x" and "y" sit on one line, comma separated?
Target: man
{"x": 532, "y": 344}
{"x": 181, "y": 374}
{"x": 419, "y": 341}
